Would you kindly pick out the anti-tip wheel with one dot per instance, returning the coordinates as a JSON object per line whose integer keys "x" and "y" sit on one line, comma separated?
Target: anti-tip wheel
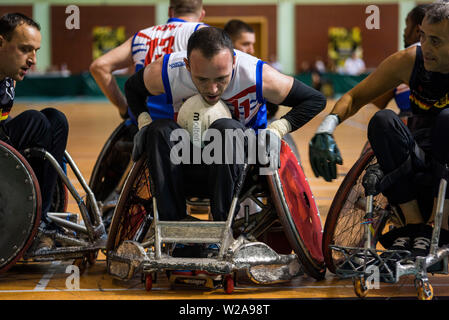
{"x": 228, "y": 284}
{"x": 425, "y": 291}
{"x": 148, "y": 282}
{"x": 360, "y": 288}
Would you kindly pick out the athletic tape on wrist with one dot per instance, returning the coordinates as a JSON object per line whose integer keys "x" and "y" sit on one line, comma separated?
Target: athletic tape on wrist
{"x": 329, "y": 124}
{"x": 281, "y": 127}
{"x": 143, "y": 119}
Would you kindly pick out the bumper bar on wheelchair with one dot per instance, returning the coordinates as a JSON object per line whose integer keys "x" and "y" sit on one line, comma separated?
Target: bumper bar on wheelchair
{"x": 262, "y": 263}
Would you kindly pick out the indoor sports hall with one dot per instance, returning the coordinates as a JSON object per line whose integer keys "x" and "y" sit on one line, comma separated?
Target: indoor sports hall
{"x": 307, "y": 40}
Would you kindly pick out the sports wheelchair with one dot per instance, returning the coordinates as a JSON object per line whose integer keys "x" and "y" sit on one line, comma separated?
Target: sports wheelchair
{"x": 20, "y": 213}
{"x": 355, "y": 224}
{"x": 260, "y": 243}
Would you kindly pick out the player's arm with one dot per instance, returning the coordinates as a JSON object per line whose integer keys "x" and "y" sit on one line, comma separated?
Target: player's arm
{"x": 382, "y": 101}
{"x": 144, "y": 83}
{"x": 305, "y": 102}
{"x": 102, "y": 68}
{"x": 394, "y": 70}
{"x": 324, "y": 154}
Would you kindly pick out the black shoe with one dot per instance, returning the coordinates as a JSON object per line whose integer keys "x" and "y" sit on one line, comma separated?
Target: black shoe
{"x": 421, "y": 243}
{"x": 399, "y": 250}
{"x": 387, "y": 240}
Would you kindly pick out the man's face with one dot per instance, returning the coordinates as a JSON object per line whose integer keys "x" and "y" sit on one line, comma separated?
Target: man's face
{"x": 435, "y": 45}
{"x": 19, "y": 54}
{"x": 411, "y": 32}
{"x": 211, "y": 76}
{"x": 245, "y": 42}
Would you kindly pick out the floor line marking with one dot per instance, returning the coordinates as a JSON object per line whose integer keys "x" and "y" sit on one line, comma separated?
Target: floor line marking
{"x": 43, "y": 282}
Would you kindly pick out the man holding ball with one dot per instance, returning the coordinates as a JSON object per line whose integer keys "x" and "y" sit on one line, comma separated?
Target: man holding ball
{"x": 211, "y": 68}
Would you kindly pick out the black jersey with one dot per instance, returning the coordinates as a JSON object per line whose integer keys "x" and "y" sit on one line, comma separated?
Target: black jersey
{"x": 429, "y": 91}
{"x": 429, "y": 94}
{"x": 6, "y": 97}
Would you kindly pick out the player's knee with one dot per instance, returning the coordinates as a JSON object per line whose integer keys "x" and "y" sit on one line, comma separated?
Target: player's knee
{"x": 57, "y": 119}
{"x": 161, "y": 128}
{"x": 381, "y": 121}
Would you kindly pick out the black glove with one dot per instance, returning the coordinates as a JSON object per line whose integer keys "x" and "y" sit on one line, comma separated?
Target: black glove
{"x": 139, "y": 143}
{"x": 371, "y": 179}
{"x": 324, "y": 156}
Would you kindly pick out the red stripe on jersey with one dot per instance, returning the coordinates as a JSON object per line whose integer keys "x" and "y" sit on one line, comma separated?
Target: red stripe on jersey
{"x": 143, "y": 35}
{"x": 245, "y": 105}
{"x": 235, "y": 103}
{"x": 243, "y": 93}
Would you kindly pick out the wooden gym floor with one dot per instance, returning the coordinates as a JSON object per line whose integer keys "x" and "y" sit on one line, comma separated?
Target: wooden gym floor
{"x": 90, "y": 125}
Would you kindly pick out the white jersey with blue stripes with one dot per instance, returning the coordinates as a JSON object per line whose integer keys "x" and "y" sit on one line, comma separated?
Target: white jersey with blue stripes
{"x": 243, "y": 95}
{"x": 152, "y": 43}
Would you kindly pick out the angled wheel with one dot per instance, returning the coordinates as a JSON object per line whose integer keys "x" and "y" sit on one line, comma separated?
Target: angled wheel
{"x": 132, "y": 216}
{"x": 343, "y": 225}
{"x": 298, "y": 213}
{"x": 111, "y": 166}
{"x": 20, "y": 209}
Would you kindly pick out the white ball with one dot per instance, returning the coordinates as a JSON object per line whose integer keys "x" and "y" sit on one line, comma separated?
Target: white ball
{"x": 196, "y": 115}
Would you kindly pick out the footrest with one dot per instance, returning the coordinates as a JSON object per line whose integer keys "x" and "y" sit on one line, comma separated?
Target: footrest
{"x": 191, "y": 232}
{"x": 359, "y": 262}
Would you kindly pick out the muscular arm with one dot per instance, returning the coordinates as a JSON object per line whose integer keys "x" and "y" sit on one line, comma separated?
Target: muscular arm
{"x": 146, "y": 82}
{"x": 394, "y": 70}
{"x": 102, "y": 68}
{"x": 305, "y": 101}
{"x": 382, "y": 101}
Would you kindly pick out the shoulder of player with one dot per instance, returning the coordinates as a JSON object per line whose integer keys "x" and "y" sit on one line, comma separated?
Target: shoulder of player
{"x": 399, "y": 64}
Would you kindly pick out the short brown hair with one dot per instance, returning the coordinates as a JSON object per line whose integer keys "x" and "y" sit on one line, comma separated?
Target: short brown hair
{"x": 235, "y": 27}
{"x": 181, "y": 7}
{"x": 10, "y": 21}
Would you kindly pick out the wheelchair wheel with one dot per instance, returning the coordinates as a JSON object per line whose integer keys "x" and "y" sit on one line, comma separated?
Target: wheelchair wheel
{"x": 343, "y": 225}
{"x": 111, "y": 165}
{"x": 132, "y": 216}
{"x": 298, "y": 213}
{"x": 20, "y": 212}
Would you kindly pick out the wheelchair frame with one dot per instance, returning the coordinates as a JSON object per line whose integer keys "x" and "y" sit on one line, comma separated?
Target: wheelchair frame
{"x": 81, "y": 241}
{"x": 127, "y": 242}
{"x": 358, "y": 261}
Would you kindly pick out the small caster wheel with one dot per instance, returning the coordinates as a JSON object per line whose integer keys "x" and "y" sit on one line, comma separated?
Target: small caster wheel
{"x": 360, "y": 288}
{"x": 81, "y": 263}
{"x": 228, "y": 284}
{"x": 148, "y": 282}
{"x": 425, "y": 291}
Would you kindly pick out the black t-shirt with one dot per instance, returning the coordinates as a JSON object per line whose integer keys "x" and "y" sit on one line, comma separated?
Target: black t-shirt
{"x": 429, "y": 94}
{"x": 7, "y": 94}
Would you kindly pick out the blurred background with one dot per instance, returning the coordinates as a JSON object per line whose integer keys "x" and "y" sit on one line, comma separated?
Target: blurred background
{"x": 308, "y": 39}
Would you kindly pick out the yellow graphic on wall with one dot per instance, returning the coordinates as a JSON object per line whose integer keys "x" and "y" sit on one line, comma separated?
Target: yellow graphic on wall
{"x": 342, "y": 43}
{"x": 106, "y": 38}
